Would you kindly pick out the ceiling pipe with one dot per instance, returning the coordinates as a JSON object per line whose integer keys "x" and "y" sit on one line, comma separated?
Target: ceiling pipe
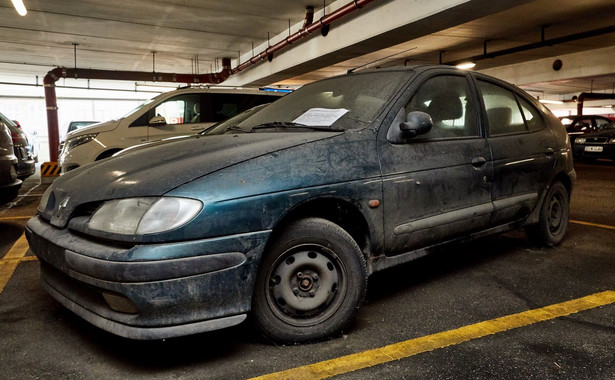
{"x": 590, "y": 95}
{"x": 54, "y": 75}
{"x": 536, "y": 45}
{"x": 308, "y": 27}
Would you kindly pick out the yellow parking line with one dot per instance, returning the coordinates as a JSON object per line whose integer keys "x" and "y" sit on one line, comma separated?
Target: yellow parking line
{"x": 593, "y": 224}
{"x": 365, "y": 359}
{"x": 9, "y": 262}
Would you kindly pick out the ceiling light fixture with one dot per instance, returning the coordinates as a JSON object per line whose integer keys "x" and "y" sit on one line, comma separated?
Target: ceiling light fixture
{"x": 547, "y": 101}
{"x": 19, "y": 7}
{"x": 466, "y": 65}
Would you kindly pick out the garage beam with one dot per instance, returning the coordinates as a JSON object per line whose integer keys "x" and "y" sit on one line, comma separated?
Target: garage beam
{"x": 383, "y": 25}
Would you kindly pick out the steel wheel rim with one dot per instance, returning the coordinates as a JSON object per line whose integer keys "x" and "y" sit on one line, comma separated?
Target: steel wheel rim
{"x": 556, "y": 214}
{"x": 306, "y": 285}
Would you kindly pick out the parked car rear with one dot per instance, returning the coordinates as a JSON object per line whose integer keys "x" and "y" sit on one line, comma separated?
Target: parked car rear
{"x": 9, "y": 183}
{"x": 25, "y": 165}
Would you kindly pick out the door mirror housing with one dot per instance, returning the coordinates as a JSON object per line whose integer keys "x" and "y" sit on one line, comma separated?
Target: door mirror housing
{"x": 158, "y": 120}
{"x": 417, "y": 123}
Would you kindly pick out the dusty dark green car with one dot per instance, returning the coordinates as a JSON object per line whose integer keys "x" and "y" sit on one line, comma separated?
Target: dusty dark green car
{"x": 286, "y": 215}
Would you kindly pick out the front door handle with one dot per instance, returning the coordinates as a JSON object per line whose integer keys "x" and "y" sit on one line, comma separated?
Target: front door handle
{"x": 549, "y": 152}
{"x": 478, "y": 161}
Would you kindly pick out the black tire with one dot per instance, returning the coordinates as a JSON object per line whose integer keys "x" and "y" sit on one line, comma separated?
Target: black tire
{"x": 310, "y": 283}
{"x": 553, "y": 220}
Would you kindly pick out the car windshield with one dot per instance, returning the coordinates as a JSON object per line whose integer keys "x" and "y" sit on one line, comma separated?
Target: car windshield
{"x": 137, "y": 108}
{"x": 337, "y": 104}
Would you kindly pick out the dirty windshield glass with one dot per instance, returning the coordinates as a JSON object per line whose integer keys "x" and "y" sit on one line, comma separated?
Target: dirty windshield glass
{"x": 347, "y": 102}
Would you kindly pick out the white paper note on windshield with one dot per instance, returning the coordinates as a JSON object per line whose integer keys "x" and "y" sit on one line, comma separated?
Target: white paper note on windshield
{"x": 320, "y": 117}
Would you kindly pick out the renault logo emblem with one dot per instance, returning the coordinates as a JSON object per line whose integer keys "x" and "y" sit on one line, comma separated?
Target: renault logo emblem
{"x": 62, "y": 205}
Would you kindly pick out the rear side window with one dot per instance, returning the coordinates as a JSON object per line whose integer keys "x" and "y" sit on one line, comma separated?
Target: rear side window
{"x": 503, "y": 113}
{"x": 532, "y": 117}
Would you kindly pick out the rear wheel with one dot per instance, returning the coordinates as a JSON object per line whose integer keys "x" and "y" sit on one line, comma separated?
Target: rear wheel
{"x": 553, "y": 220}
{"x": 310, "y": 283}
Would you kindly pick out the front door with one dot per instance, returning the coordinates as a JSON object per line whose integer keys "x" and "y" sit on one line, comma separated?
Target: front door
{"x": 436, "y": 185}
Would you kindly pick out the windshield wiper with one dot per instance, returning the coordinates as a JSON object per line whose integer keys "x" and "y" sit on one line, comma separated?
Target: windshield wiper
{"x": 235, "y": 128}
{"x": 289, "y": 124}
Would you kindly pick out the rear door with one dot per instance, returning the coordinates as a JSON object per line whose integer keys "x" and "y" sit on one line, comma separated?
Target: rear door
{"x": 438, "y": 185}
{"x": 523, "y": 150}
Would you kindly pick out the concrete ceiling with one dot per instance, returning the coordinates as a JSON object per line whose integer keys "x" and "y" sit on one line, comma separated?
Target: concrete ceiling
{"x": 190, "y": 36}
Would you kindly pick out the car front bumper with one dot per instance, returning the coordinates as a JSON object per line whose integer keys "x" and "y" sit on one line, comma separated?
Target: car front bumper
{"x": 594, "y": 151}
{"x": 183, "y": 288}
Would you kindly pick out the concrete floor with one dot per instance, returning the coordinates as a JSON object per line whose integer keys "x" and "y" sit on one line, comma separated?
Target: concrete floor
{"x": 440, "y": 295}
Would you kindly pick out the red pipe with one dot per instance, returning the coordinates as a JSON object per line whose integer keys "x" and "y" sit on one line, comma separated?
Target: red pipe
{"x": 590, "y": 95}
{"x": 308, "y": 27}
{"x": 52, "y": 77}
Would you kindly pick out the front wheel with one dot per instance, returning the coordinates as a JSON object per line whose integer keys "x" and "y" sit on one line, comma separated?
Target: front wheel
{"x": 553, "y": 219}
{"x": 310, "y": 283}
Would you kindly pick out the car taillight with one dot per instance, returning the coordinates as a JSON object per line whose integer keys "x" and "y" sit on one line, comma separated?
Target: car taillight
{"x": 15, "y": 137}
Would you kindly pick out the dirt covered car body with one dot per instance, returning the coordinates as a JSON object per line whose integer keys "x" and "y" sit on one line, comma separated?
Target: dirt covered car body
{"x": 286, "y": 214}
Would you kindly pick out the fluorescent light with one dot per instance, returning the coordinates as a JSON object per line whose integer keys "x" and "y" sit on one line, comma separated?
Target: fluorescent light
{"x": 466, "y": 65}
{"x": 19, "y": 7}
{"x": 546, "y": 101}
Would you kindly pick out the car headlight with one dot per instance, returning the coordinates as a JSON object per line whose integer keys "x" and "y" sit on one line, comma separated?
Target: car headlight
{"x": 612, "y": 140}
{"x": 42, "y": 205}
{"x": 79, "y": 140}
{"x": 580, "y": 140}
{"x": 140, "y": 216}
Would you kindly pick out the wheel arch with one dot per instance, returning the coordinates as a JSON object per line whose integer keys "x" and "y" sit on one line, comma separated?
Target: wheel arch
{"x": 338, "y": 211}
{"x": 107, "y": 153}
{"x": 561, "y": 177}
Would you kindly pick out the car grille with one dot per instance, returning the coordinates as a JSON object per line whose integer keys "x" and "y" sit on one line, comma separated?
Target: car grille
{"x": 599, "y": 140}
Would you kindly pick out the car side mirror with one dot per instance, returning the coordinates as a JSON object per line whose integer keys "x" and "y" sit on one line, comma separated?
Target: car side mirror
{"x": 158, "y": 120}
{"x": 417, "y": 123}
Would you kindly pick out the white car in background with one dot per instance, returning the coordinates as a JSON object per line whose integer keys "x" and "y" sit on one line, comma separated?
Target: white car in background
{"x": 183, "y": 111}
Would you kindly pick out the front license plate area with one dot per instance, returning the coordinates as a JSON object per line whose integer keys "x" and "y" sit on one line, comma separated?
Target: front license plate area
{"x": 594, "y": 148}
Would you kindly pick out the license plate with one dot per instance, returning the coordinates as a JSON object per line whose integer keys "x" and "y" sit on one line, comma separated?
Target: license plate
{"x": 594, "y": 148}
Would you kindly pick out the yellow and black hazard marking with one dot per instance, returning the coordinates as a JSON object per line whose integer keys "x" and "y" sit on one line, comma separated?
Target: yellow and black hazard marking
{"x": 50, "y": 169}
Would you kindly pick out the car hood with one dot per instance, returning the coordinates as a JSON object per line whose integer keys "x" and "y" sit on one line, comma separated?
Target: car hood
{"x": 161, "y": 168}
{"x": 94, "y": 128}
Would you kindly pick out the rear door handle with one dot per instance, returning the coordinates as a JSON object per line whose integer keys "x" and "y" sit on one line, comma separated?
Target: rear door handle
{"x": 549, "y": 152}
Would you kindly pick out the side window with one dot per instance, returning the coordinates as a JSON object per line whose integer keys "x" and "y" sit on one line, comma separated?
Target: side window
{"x": 447, "y": 100}
{"x": 180, "y": 109}
{"x": 582, "y": 125}
{"x": 503, "y": 113}
{"x": 532, "y": 117}
{"x": 601, "y": 123}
